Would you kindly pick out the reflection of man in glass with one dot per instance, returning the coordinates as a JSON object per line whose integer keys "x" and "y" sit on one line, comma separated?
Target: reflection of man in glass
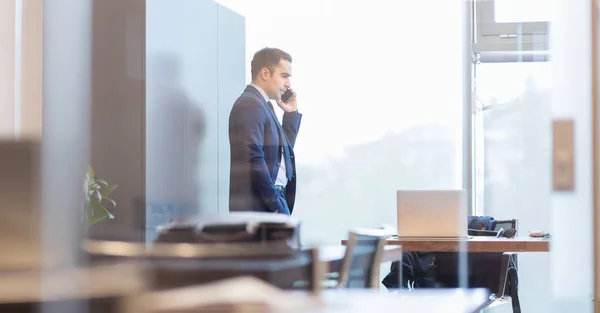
{"x": 175, "y": 131}
{"x": 263, "y": 169}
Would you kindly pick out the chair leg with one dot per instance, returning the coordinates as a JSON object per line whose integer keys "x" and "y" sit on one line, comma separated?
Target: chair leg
{"x": 513, "y": 283}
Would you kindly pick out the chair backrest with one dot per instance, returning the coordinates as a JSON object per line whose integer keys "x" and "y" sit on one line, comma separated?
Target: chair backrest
{"x": 360, "y": 267}
{"x": 314, "y": 272}
{"x": 506, "y": 228}
{"x": 505, "y": 224}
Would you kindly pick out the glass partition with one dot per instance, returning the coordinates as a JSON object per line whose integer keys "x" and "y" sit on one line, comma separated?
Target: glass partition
{"x": 418, "y": 117}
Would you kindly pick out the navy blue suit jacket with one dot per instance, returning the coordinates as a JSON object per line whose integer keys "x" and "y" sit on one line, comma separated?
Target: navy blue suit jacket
{"x": 256, "y": 139}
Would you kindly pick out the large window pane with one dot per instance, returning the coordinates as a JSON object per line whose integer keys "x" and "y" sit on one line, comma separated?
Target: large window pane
{"x": 513, "y": 132}
{"x": 382, "y": 106}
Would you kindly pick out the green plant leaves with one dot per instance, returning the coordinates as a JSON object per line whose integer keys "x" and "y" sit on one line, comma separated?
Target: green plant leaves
{"x": 108, "y": 190}
{"x": 90, "y": 173}
{"x": 111, "y": 201}
{"x": 97, "y": 212}
{"x": 96, "y": 192}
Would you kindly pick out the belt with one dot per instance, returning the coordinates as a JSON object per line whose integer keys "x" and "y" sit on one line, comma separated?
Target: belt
{"x": 280, "y": 188}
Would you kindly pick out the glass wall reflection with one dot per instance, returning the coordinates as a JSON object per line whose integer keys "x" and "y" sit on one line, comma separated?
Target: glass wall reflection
{"x": 195, "y": 69}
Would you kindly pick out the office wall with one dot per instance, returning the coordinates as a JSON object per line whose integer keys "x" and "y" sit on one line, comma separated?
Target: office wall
{"x": 7, "y": 67}
{"x": 572, "y": 211}
{"x": 195, "y": 71}
{"x": 31, "y": 69}
{"x": 118, "y": 112}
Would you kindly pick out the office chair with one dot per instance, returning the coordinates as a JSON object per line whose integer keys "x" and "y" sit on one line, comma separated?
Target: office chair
{"x": 360, "y": 266}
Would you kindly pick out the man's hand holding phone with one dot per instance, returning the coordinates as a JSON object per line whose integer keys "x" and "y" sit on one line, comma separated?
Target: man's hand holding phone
{"x": 288, "y": 102}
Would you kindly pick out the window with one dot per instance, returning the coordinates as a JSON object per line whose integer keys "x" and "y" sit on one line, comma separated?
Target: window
{"x": 510, "y": 56}
{"x": 516, "y": 11}
{"x": 512, "y": 153}
{"x": 382, "y": 108}
{"x": 511, "y": 123}
{"x": 512, "y": 138}
{"x": 510, "y": 25}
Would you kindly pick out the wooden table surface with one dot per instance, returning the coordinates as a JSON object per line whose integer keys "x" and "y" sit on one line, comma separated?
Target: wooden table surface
{"x": 248, "y": 295}
{"x": 472, "y": 244}
{"x": 331, "y": 254}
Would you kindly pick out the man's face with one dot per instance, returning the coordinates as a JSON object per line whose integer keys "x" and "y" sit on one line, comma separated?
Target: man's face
{"x": 278, "y": 80}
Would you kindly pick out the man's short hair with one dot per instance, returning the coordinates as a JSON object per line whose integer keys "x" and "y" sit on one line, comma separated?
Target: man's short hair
{"x": 269, "y": 58}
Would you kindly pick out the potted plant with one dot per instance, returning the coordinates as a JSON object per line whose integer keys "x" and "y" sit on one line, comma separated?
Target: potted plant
{"x": 96, "y": 196}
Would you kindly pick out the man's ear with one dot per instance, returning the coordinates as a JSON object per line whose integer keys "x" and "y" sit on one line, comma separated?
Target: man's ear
{"x": 265, "y": 73}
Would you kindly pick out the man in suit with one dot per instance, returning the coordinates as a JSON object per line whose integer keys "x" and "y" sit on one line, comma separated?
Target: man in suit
{"x": 263, "y": 169}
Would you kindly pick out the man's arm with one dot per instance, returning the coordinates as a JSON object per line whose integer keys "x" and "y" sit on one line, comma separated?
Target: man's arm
{"x": 251, "y": 119}
{"x": 291, "y": 126}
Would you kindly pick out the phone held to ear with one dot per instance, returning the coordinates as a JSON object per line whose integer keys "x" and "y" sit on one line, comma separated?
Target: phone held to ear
{"x": 287, "y": 96}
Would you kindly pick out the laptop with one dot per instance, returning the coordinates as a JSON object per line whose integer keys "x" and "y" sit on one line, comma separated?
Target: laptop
{"x": 432, "y": 214}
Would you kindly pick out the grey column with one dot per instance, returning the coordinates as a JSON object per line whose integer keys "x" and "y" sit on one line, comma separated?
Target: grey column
{"x": 66, "y": 99}
{"x": 231, "y": 82}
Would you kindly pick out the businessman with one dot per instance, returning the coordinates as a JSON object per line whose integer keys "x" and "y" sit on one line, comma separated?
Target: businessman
{"x": 263, "y": 169}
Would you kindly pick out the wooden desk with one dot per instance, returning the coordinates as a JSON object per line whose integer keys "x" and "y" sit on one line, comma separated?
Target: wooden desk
{"x": 473, "y": 244}
{"x": 281, "y": 272}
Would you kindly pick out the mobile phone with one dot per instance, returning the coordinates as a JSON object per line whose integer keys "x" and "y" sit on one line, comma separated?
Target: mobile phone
{"x": 287, "y": 96}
